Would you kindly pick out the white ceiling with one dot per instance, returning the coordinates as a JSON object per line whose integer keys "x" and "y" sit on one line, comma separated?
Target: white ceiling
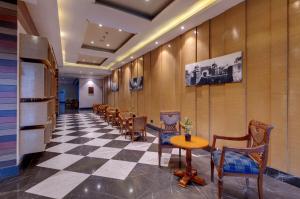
{"x": 71, "y": 17}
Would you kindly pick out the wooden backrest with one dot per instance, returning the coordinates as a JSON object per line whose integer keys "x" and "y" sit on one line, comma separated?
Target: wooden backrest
{"x": 170, "y": 120}
{"x": 139, "y": 123}
{"x": 259, "y": 134}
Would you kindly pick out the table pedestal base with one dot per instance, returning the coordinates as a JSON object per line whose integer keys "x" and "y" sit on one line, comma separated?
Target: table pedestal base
{"x": 185, "y": 178}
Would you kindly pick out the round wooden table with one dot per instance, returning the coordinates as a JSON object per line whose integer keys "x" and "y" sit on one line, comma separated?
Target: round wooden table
{"x": 189, "y": 174}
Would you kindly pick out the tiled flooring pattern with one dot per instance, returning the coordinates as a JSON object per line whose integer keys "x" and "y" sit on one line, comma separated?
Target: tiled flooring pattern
{"x": 87, "y": 158}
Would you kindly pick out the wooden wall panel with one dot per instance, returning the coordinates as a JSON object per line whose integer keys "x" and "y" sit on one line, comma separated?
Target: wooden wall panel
{"x": 294, "y": 91}
{"x": 202, "y": 92}
{"x": 134, "y": 96}
{"x": 147, "y": 85}
{"x": 169, "y": 77}
{"x": 258, "y": 60}
{"x": 127, "y": 95}
{"x": 278, "y": 74}
{"x": 227, "y": 101}
{"x": 115, "y": 79}
{"x": 188, "y": 96}
{"x": 140, "y": 93}
{"x": 155, "y": 85}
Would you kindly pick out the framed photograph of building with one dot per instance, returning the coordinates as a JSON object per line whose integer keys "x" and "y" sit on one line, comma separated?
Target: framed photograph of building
{"x": 136, "y": 83}
{"x": 219, "y": 70}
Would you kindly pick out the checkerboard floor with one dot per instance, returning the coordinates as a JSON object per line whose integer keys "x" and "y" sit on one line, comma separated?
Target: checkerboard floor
{"x": 87, "y": 147}
{"x": 87, "y": 158}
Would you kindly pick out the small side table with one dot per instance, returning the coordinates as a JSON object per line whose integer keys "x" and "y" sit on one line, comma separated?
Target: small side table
{"x": 189, "y": 174}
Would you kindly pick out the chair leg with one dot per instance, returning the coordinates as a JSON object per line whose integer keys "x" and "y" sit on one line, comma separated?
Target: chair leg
{"x": 179, "y": 157}
{"x": 131, "y": 134}
{"x": 247, "y": 183}
{"x": 159, "y": 155}
{"x": 212, "y": 170}
{"x": 220, "y": 187}
{"x": 260, "y": 186}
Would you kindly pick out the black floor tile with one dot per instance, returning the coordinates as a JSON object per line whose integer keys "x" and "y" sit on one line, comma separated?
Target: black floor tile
{"x": 104, "y": 130}
{"x": 117, "y": 144}
{"x": 109, "y": 136}
{"x": 78, "y": 133}
{"x": 80, "y": 140}
{"x": 129, "y": 155}
{"x": 83, "y": 150}
{"x": 87, "y": 165}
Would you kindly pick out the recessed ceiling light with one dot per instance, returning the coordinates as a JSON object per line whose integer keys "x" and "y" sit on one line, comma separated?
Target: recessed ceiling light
{"x": 120, "y": 30}
{"x": 169, "y": 45}
{"x": 147, "y": 0}
{"x": 156, "y": 42}
{"x": 62, "y": 34}
{"x": 107, "y": 45}
{"x": 131, "y": 57}
{"x": 182, "y": 27}
{"x": 92, "y": 42}
{"x": 100, "y": 25}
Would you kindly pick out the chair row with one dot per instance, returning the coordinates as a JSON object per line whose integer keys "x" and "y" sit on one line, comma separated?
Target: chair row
{"x": 249, "y": 161}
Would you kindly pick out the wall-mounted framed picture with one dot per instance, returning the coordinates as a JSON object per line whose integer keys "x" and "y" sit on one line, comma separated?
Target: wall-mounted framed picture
{"x": 91, "y": 90}
{"x": 219, "y": 70}
{"x": 136, "y": 83}
{"x": 114, "y": 87}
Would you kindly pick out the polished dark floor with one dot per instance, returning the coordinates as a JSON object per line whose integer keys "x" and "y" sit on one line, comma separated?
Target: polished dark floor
{"x": 81, "y": 159}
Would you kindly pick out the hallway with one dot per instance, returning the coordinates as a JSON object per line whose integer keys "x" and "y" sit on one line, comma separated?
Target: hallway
{"x": 87, "y": 158}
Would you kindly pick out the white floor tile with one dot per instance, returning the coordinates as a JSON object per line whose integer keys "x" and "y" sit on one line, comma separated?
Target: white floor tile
{"x": 98, "y": 142}
{"x": 64, "y": 138}
{"x": 64, "y": 132}
{"x": 115, "y": 169}
{"x": 150, "y": 135}
{"x": 156, "y": 141}
{"x": 90, "y": 129}
{"x": 61, "y": 161}
{"x": 152, "y": 158}
{"x": 122, "y": 138}
{"x": 63, "y": 147}
{"x": 58, "y": 185}
{"x": 92, "y": 135}
{"x": 175, "y": 151}
{"x": 105, "y": 152}
{"x": 115, "y": 131}
{"x": 138, "y": 146}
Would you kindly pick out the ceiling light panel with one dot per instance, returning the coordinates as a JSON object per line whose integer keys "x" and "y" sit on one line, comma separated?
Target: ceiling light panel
{"x": 104, "y": 38}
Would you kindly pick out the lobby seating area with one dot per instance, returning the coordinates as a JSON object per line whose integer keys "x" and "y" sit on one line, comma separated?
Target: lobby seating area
{"x": 149, "y": 99}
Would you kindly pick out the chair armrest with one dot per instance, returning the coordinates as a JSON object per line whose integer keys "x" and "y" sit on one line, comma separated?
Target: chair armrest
{"x": 259, "y": 149}
{"x": 217, "y": 137}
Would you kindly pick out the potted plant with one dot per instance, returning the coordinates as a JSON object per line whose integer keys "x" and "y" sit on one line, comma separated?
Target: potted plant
{"x": 187, "y": 123}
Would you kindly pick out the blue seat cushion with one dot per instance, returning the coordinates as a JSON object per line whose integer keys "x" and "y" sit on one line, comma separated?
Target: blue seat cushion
{"x": 236, "y": 163}
{"x": 165, "y": 137}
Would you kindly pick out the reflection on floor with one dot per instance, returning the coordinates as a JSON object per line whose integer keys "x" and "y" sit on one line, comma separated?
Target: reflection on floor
{"x": 89, "y": 159}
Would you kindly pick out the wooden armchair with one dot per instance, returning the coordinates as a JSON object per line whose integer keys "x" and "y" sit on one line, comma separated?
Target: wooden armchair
{"x": 248, "y": 162}
{"x": 170, "y": 126}
{"x": 122, "y": 121}
{"x": 137, "y": 125}
{"x": 102, "y": 110}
